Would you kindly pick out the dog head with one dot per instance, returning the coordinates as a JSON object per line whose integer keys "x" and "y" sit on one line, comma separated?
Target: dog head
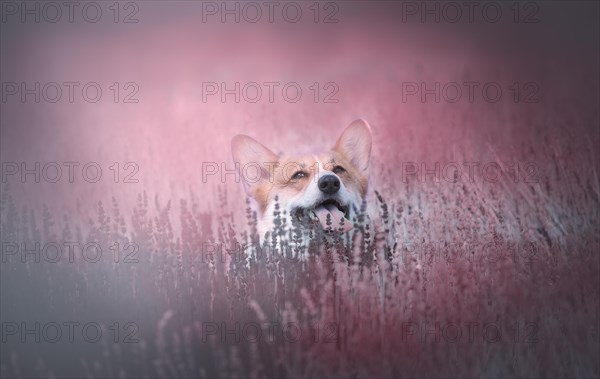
{"x": 328, "y": 187}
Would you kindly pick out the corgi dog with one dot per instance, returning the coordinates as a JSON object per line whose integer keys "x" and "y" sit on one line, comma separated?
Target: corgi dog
{"x": 326, "y": 189}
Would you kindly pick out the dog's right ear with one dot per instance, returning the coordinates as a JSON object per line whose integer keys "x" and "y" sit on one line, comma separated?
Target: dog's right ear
{"x": 254, "y": 161}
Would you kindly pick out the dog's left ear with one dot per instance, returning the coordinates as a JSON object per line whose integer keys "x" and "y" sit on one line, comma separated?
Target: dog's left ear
{"x": 355, "y": 144}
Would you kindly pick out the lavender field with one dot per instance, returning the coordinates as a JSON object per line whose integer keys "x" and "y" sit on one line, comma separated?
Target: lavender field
{"x": 476, "y": 254}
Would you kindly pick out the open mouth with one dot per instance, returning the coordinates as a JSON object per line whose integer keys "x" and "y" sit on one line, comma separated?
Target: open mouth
{"x": 329, "y": 203}
{"x": 330, "y": 213}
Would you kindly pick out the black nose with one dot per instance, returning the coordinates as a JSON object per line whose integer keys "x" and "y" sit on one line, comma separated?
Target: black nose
{"x": 329, "y": 184}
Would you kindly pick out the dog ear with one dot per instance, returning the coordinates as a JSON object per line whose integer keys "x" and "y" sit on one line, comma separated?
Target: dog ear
{"x": 254, "y": 161}
{"x": 355, "y": 144}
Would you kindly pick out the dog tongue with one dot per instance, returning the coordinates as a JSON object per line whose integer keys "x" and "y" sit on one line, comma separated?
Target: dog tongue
{"x": 336, "y": 217}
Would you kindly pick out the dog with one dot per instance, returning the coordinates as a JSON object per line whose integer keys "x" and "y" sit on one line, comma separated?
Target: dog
{"x": 326, "y": 189}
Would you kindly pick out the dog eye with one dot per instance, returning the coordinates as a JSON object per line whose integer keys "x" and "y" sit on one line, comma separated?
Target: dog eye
{"x": 299, "y": 175}
{"x": 338, "y": 170}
